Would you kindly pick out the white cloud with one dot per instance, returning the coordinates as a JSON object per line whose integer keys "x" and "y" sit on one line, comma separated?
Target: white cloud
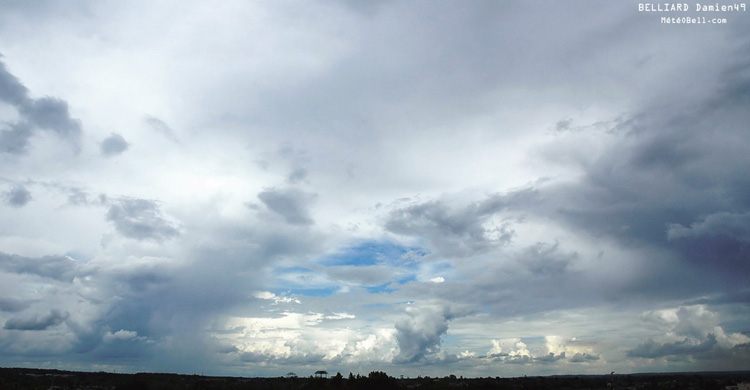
{"x": 121, "y": 334}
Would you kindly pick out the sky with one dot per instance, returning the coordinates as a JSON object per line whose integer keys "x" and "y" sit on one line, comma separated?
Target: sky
{"x": 477, "y": 188}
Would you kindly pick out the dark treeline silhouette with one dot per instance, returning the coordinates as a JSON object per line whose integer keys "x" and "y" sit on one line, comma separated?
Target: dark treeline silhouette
{"x": 39, "y": 379}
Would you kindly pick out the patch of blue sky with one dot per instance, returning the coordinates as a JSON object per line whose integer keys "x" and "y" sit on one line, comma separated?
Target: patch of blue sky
{"x": 372, "y": 253}
{"x": 383, "y": 288}
{"x": 308, "y": 292}
{"x": 406, "y": 279}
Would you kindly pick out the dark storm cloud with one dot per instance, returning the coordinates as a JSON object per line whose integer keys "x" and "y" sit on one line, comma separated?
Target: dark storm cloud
{"x": 651, "y": 349}
{"x": 730, "y": 297}
{"x": 456, "y": 232}
{"x": 290, "y": 204}
{"x": 55, "y": 317}
{"x": 113, "y": 145}
{"x": 46, "y": 113}
{"x": 141, "y": 219}
{"x": 736, "y": 226}
{"x": 17, "y": 197}
{"x": 54, "y": 267}
{"x": 675, "y": 182}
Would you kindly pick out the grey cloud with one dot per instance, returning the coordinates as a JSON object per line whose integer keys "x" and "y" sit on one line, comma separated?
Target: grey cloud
{"x": 52, "y": 114}
{"x": 54, "y": 267}
{"x": 297, "y": 359}
{"x": 161, "y": 127}
{"x": 519, "y": 359}
{"x": 46, "y": 113}
{"x": 12, "y": 304}
{"x": 54, "y": 318}
{"x": 298, "y": 175}
{"x": 730, "y": 297}
{"x": 161, "y": 297}
{"x": 113, "y": 145}
{"x": 15, "y": 139}
{"x": 455, "y": 232}
{"x": 651, "y": 349}
{"x": 11, "y": 89}
{"x": 674, "y": 183}
{"x": 419, "y": 335}
{"x": 78, "y": 197}
{"x": 582, "y": 357}
{"x": 551, "y": 357}
{"x": 564, "y": 124}
{"x": 17, "y": 197}
{"x": 365, "y": 275}
{"x": 290, "y": 204}
{"x": 297, "y": 159}
{"x": 735, "y": 226}
{"x": 546, "y": 259}
{"x": 141, "y": 219}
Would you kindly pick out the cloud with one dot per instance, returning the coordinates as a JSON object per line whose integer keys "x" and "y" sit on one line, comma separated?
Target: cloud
{"x": 17, "y": 197}
{"x": 50, "y": 113}
{"x": 700, "y": 327}
{"x": 550, "y": 357}
{"x": 582, "y": 358}
{"x": 121, "y": 334}
{"x": 563, "y": 180}
{"x": 60, "y": 268}
{"x": 455, "y": 232}
{"x": 15, "y": 139}
{"x": 651, "y": 349}
{"x": 45, "y": 113}
{"x": 113, "y": 145}
{"x": 546, "y": 259}
{"x": 11, "y": 89}
{"x": 736, "y": 226}
{"x": 161, "y": 127}
{"x": 290, "y": 204}
{"x": 141, "y": 219}
{"x": 36, "y": 323}
{"x": 419, "y": 335}
{"x": 364, "y": 275}
{"x": 12, "y": 305}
